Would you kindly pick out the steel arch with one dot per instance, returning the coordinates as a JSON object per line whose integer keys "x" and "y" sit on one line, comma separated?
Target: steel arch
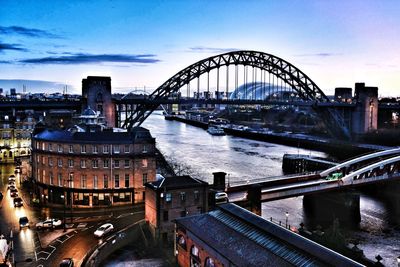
{"x": 299, "y": 81}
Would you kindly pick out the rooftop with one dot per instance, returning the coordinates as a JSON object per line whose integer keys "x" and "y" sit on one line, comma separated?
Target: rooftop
{"x": 175, "y": 182}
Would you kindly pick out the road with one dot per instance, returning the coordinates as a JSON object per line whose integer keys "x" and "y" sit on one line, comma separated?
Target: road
{"x": 48, "y": 248}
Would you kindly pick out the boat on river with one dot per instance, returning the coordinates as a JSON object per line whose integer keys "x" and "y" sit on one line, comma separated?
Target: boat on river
{"x": 215, "y": 130}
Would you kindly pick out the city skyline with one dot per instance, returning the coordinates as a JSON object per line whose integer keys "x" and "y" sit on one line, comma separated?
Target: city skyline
{"x": 142, "y": 44}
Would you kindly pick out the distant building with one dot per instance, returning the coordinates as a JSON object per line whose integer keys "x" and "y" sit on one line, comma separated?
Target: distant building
{"x": 233, "y": 236}
{"x": 170, "y": 198}
{"x": 92, "y": 165}
{"x": 96, "y": 93}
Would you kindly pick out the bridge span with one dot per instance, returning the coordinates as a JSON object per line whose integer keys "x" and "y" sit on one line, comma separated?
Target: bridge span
{"x": 377, "y": 167}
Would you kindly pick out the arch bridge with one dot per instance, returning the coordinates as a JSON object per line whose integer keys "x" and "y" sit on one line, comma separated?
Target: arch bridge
{"x": 277, "y": 80}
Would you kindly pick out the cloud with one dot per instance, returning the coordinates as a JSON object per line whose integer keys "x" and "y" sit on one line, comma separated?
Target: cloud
{"x": 5, "y": 62}
{"x": 204, "y": 49}
{"x": 37, "y": 33}
{"x": 319, "y": 55}
{"x": 16, "y": 47}
{"x": 82, "y": 58}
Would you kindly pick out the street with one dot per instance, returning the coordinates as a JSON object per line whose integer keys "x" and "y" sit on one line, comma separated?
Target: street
{"x": 48, "y": 247}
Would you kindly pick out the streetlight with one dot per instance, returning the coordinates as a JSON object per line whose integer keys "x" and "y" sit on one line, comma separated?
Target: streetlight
{"x": 287, "y": 217}
{"x": 63, "y": 198}
{"x": 70, "y": 181}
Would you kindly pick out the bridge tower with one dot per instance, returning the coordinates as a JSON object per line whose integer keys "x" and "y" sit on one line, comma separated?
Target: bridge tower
{"x": 365, "y": 115}
{"x": 96, "y": 94}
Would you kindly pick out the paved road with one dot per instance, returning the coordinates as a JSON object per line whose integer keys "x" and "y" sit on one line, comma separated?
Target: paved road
{"x": 48, "y": 248}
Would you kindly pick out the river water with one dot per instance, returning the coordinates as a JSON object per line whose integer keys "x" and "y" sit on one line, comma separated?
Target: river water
{"x": 200, "y": 154}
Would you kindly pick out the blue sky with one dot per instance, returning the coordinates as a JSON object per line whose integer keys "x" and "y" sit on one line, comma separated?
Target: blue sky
{"x": 143, "y": 43}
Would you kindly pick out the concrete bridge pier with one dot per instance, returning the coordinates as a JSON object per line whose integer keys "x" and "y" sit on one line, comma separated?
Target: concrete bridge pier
{"x": 323, "y": 208}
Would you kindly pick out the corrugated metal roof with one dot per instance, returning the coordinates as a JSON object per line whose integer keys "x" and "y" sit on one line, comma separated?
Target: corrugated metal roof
{"x": 267, "y": 241}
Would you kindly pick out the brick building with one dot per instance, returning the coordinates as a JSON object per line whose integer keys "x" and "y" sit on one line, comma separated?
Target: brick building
{"x": 170, "y": 198}
{"x": 92, "y": 165}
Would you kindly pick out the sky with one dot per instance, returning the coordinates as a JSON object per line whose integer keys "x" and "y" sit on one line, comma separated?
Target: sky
{"x": 144, "y": 43}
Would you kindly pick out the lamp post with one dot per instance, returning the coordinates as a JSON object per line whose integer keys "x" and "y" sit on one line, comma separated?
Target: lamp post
{"x": 63, "y": 198}
{"x": 287, "y": 217}
{"x": 70, "y": 180}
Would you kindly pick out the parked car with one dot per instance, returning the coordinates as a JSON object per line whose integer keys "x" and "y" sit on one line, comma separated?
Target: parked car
{"x": 11, "y": 186}
{"x": 103, "y": 230}
{"x": 221, "y": 197}
{"x": 48, "y": 223}
{"x": 13, "y": 192}
{"x": 18, "y": 202}
{"x": 67, "y": 262}
{"x": 11, "y": 178}
{"x": 23, "y": 222}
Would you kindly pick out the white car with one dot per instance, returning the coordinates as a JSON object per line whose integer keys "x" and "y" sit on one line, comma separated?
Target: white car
{"x": 49, "y": 223}
{"x": 104, "y": 229}
{"x": 221, "y": 197}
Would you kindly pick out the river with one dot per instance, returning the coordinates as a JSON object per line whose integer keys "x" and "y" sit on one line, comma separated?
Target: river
{"x": 201, "y": 154}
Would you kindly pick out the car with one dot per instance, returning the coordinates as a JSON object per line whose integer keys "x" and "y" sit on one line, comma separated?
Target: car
{"x": 13, "y": 192}
{"x": 11, "y": 186}
{"x": 11, "y": 178}
{"x": 221, "y": 197}
{"x": 67, "y": 262}
{"x": 103, "y": 230}
{"x": 24, "y": 222}
{"x": 48, "y": 223}
{"x": 18, "y": 202}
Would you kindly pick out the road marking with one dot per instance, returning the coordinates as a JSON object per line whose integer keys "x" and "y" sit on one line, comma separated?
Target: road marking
{"x": 81, "y": 225}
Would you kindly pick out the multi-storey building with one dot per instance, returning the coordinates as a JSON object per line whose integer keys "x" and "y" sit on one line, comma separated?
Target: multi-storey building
{"x": 171, "y": 198}
{"x": 15, "y": 134}
{"x": 91, "y": 165}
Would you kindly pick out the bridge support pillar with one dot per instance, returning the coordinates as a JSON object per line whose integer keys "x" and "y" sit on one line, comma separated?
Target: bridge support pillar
{"x": 254, "y": 199}
{"x": 323, "y": 208}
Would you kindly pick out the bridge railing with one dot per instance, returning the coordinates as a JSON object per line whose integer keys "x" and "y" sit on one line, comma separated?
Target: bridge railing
{"x": 268, "y": 179}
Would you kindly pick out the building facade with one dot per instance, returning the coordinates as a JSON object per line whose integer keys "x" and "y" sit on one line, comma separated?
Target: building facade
{"x": 92, "y": 167}
{"x": 171, "y": 198}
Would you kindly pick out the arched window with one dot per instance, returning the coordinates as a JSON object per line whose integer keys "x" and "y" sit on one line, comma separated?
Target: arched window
{"x": 181, "y": 241}
{"x": 194, "y": 257}
{"x": 209, "y": 262}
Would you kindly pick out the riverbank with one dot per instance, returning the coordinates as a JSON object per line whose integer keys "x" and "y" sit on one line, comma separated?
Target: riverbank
{"x": 337, "y": 148}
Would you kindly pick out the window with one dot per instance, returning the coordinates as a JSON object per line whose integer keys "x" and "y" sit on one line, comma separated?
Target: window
{"x": 126, "y": 149}
{"x": 50, "y": 162}
{"x": 144, "y": 163}
{"x": 209, "y": 262}
{"x": 95, "y": 163}
{"x": 126, "y": 180}
{"x": 51, "y": 178}
{"x": 165, "y": 215}
{"x": 95, "y": 150}
{"x": 106, "y": 149}
{"x": 144, "y": 149}
{"x": 71, "y": 149}
{"x": 144, "y": 178}
{"x": 105, "y": 163}
{"x": 83, "y": 181}
{"x": 116, "y": 163}
{"x": 43, "y": 146}
{"x": 182, "y": 196}
{"x": 50, "y": 147}
{"x": 181, "y": 241}
{"x": 83, "y": 163}
{"x": 116, "y": 149}
{"x": 71, "y": 163}
{"x": 168, "y": 197}
{"x": 194, "y": 257}
{"x": 95, "y": 182}
{"x": 196, "y": 195}
{"x": 116, "y": 181}
{"x": 59, "y": 148}
{"x": 83, "y": 148}
{"x": 127, "y": 163}
{"x": 59, "y": 178}
{"x": 59, "y": 162}
{"x": 43, "y": 160}
{"x": 105, "y": 181}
